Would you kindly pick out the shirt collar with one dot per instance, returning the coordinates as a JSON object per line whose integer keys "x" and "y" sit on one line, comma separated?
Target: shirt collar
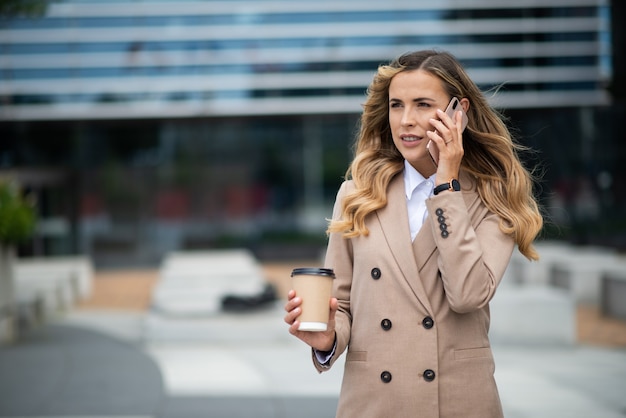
{"x": 413, "y": 178}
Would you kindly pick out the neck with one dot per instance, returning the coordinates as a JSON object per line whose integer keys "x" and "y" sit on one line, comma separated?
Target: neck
{"x": 425, "y": 168}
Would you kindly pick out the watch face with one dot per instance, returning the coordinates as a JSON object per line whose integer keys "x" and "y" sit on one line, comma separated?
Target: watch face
{"x": 456, "y": 186}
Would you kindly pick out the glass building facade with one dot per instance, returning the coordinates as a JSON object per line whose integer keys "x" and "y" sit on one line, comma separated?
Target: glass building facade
{"x": 146, "y": 126}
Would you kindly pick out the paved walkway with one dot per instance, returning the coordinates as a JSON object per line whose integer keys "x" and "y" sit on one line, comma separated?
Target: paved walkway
{"x": 129, "y": 363}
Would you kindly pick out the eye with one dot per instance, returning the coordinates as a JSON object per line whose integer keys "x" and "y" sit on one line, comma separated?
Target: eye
{"x": 395, "y": 104}
{"x": 424, "y": 105}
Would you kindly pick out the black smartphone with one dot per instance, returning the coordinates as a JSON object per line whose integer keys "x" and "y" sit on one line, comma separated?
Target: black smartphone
{"x": 453, "y": 107}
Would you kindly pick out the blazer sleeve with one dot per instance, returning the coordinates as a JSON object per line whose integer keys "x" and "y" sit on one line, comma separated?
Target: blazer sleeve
{"x": 339, "y": 257}
{"x": 473, "y": 252}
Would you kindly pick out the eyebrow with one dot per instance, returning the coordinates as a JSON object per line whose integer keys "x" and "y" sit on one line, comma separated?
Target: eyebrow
{"x": 418, "y": 99}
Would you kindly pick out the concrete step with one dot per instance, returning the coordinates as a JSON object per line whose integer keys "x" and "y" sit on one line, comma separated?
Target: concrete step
{"x": 533, "y": 315}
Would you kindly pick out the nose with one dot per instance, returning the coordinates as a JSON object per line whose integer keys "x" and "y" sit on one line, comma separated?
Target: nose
{"x": 408, "y": 117}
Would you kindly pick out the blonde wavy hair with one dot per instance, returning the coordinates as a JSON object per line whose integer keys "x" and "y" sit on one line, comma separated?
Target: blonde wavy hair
{"x": 490, "y": 154}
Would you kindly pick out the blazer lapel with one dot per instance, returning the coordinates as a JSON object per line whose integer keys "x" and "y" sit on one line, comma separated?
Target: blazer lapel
{"x": 424, "y": 244}
{"x": 394, "y": 222}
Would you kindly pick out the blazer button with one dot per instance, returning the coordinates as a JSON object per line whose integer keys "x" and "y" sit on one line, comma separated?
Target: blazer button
{"x": 444, "y": 234}
{"x": 385, "y": 376}
{"x": 439, "y": 212}
{"x": 428, "y": 322}
{"x": 443, "y": 227}
{"x": 375, "y": 273}
{"x": 429, "y": 375}
{"x": 441, "y": 219}
{"x": 385, "y": 324}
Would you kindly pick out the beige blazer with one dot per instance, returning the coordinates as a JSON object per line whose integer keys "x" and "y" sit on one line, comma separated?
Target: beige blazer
{"x": 414, "y": 316}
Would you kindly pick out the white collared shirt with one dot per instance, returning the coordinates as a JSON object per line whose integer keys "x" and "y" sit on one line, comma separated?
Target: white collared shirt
{"x": 417, "y": 189}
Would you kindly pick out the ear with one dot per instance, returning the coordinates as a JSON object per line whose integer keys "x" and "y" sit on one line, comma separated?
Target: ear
{"x": 465, "y": 103}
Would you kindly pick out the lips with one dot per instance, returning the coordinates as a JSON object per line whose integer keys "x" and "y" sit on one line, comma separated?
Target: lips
{"x": 410, "y": 138}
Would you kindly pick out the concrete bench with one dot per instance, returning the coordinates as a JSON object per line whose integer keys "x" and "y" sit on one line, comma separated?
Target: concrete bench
{"x": 613, "y": 292}
{"x": 186, "y": 302}
{"x": 523, "y": 271}
{"x": 581, "y": 274}
{"x": 218, "y": 264}
{"x": 577, "y": 269}
{"x": 533, "y": 315}
{"x": 42, "y": 287}
{"x": 80, "y": 267}
{"x": 58, "y": 291}
{"x": 7, "y": 325}
{"x": 30, "y": 309}
{"x": 192, "y": 283}
{"x": 197, "y": 296}
{"x": 225, "y": 283}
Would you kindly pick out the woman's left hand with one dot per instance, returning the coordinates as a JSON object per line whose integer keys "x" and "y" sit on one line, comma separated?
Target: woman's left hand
{"x": 448, "y": 135}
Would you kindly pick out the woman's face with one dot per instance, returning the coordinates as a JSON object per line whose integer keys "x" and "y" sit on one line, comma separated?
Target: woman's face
{"x": 414, "y": 97}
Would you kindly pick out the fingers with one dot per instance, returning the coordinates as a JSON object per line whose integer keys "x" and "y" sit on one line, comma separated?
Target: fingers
{"x": 292, "y": 307}
{"x": 447, "y": 120}
{"x": 447, "y": 131}
{"x": 293, "y": 328}
{"x": 436, "y": 137}
{"x": 448, "y": 136}
{"x": 292, "y": 301}
{"x": 334, "y": 304}
{"x": 458, "y": 120}
{"x": 292, "y": 315}
{"x": 321, "y": 340}
{"x": 445, "y": 126}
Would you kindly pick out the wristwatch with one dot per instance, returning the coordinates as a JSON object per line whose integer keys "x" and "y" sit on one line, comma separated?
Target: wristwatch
{"x": 453, "y": 185}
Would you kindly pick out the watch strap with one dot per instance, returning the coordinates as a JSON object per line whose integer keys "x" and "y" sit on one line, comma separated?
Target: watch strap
{"x": 442, "y": 187}
{"x": 453, "y": 184}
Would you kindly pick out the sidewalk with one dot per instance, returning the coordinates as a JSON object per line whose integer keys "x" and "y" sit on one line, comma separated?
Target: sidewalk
{"x": 95, "y": 362}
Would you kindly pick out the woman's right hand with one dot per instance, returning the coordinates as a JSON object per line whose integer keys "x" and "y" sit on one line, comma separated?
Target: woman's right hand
{"x": 320, "y": 340}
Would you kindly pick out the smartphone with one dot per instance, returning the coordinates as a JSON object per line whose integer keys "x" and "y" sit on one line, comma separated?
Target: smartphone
{"x": 453, "y": 106}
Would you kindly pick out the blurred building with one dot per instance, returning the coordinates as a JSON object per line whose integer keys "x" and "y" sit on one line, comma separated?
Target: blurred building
{"x": 149, "y": 126}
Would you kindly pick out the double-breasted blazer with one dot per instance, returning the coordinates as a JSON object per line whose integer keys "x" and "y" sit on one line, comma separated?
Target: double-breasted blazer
{"x": 414, "y": 316}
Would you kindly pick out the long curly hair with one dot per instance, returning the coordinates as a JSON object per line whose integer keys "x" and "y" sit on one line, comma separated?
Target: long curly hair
{"x": 490, "y": 154}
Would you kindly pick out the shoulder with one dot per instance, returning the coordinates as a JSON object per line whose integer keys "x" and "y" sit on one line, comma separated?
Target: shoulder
{"x": 347, "y": 186}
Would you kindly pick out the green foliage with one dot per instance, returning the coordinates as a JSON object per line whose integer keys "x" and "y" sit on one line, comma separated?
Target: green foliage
{"x": 17, "y": 215}
{"x": 32, "y": 8}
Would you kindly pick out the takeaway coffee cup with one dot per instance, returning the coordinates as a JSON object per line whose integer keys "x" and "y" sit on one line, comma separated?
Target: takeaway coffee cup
{"x": 314, "y": 286}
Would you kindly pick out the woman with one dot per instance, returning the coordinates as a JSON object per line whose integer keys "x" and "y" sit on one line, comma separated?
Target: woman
{"x": 415, "y": 270}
